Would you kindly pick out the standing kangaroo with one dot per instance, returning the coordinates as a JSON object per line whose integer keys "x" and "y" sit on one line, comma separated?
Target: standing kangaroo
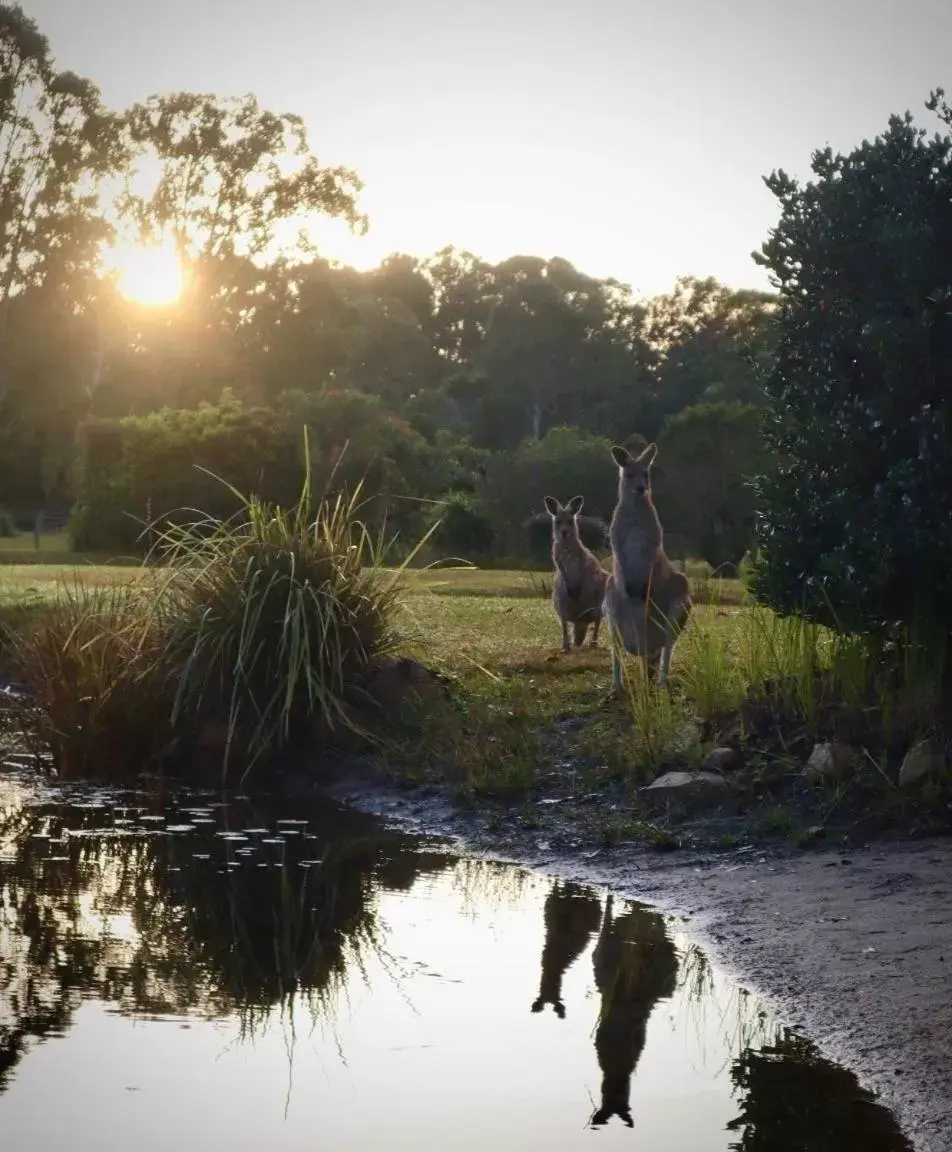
{"x": 635, "y": 966}
{"x": 579, "y": 587}
{"x": 572, "y": 915}
{"x": 647, "y": 601}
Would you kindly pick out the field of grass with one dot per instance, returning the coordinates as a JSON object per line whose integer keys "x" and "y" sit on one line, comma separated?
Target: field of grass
{"x": 520, "y": 705}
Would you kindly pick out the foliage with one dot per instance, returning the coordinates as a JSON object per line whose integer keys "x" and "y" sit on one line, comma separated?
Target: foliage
{"x": 230, "y": 173}
{"x": 58, "y": 145}
{"x": 710, "y": 454}
{"x": 564, "y": 463}
{"x": 57, "y": 142}
{"x": 855, "y": 524}
{"x": 462, "y": 530}
{"x": 263, "y": 625}
{"x": 170, "y": 460}
{"x": 277, "y": 615}
{"x": 100, "y": 682}
{"x": 714, "y": 343}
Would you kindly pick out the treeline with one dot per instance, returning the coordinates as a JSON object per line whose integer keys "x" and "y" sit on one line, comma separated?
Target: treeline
{"x": 447, "y": 379}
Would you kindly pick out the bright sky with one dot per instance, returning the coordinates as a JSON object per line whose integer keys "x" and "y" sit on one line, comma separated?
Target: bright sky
{"x": 629, "y": 136}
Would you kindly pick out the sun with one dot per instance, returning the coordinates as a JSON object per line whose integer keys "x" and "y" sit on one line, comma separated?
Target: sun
{"x": 148, "y": 274}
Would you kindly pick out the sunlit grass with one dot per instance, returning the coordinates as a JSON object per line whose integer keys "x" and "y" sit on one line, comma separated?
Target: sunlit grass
{"x": 519, "y": 704}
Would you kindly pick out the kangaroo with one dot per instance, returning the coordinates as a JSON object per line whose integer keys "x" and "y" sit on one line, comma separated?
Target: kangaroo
{"x": 635, "y": 966}
{"x": 572, "y": 915}
{"x": 579, "y": 587}
{"x": 647, "y": 601}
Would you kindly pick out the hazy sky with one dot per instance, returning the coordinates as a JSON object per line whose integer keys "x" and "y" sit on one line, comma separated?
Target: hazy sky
{"x": 629, "y": 136}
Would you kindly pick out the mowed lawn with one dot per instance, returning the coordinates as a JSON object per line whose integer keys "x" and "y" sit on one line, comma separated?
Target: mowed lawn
{"x": 497, "y": 635}
{"x": 472, "y": 623}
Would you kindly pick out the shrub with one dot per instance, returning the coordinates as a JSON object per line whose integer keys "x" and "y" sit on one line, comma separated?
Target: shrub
{"x": 171, "y": 458}
{"x": 564, "y": 463}
{"x": 462, "y": 529}
{"x": 855, "y": 525}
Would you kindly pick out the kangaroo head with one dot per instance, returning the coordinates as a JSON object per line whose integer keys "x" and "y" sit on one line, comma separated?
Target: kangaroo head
{"x": 634, "y": 472}
{"x": 564, "y": 519}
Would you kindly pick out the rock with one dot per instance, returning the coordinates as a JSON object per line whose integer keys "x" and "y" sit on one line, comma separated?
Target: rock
{"x": 395, "y": 683}
{"x": 689, "y": 786}
{"x": 723, "y": 759}
{"x": 922, "y": 760}
{"x": 831, "y": 762}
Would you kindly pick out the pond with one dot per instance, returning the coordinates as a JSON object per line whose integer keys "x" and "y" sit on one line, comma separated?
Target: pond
{"x": 187, "y": 970}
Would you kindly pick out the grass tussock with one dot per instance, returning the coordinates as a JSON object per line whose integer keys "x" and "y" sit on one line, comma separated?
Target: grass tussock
{"x": 99, "y": 683}
{"x": 277, "y": 615}
{"x": 240, "y": 640}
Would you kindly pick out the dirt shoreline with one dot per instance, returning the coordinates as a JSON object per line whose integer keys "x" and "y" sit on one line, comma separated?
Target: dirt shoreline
{"x": 853, "y": 944}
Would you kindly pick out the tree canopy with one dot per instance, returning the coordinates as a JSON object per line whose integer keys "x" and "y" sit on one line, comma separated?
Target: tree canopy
{"x": 855, "y": 523}
{"x": 474, "y": 361}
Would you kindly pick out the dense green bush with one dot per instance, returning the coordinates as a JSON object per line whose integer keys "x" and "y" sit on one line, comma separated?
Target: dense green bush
{"x": 173, "y": 461}
{"x": 563, "y": 464}
{"x": 463, "y": 530}
{"x": 855, "y": 524}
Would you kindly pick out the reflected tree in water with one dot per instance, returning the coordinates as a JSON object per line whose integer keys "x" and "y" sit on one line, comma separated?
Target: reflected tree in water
{"x": 162, "y": 925}
{"x": 572, "y": 914}
{"x": 792, "y": 1100}
{"x": 636, "y": 965}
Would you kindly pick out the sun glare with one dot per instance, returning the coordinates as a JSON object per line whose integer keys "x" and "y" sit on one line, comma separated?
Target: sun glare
{"x": 149, "y": 274}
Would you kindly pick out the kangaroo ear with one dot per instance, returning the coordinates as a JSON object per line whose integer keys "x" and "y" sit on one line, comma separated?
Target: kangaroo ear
{"x": 648, "y": 455}
{"x": 552, "y": 505}
{"x": 575, "y": 504}
{"x": 620, "y": 455}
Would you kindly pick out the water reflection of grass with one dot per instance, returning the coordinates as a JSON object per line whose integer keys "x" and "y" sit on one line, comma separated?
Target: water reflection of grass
{"x": 254, "y": 941}
{"x": 740, "y": 1020}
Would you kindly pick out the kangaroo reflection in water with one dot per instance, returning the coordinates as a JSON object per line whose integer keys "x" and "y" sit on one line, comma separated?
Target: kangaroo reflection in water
{"x": 635, "y": 966}
{"x": 572, "y": 914}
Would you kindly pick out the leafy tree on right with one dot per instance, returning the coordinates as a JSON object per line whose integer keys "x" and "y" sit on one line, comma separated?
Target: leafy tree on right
{"x": 855, "y": 519}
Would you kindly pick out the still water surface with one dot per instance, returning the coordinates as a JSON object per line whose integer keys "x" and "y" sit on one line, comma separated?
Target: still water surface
{"x": 182, "y": 972}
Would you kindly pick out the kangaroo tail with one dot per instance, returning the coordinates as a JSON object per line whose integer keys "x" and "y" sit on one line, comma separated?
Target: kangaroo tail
{"x": 580, "y": 627}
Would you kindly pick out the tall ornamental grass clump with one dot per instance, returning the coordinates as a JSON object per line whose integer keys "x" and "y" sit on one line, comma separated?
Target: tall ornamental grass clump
{"x": 278, "y": 614}
{"x": 244, "y": 637}
{"x": 99, "y": 683}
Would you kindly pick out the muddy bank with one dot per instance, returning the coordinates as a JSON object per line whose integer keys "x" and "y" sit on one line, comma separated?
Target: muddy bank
{"x": 852, "y": 943}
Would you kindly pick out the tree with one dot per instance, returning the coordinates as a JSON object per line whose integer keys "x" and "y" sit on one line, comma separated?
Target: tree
{"x": 564, "y": 463}
{"x": 714, "y": 344}
{"x": 855, "y": 524}
{"x": 235, "y": 190}
{"x": 709, "y": 454}
{"x": 57, "y": 146}
{"x": 232, "y": 177}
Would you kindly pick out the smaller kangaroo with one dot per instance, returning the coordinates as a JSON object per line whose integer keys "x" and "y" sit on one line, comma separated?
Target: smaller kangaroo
{"x": 580, "y": 580}
{"x": 647, "y": 601}
{"x": 572, "y": 916}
